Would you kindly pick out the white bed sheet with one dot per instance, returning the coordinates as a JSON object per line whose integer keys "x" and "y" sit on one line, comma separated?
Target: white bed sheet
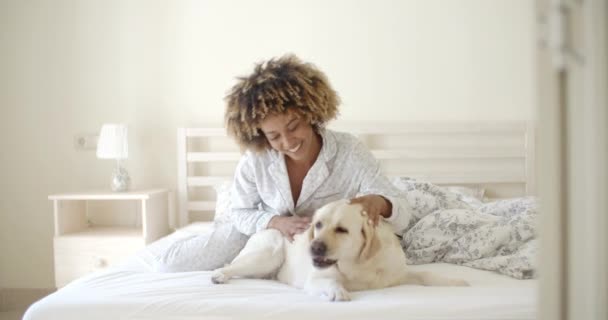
{"x": 131, "y": 291}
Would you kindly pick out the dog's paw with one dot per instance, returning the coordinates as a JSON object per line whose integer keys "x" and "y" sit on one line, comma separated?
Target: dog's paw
{"x": 218, "y": 277}
{"x": 336, "y": 294}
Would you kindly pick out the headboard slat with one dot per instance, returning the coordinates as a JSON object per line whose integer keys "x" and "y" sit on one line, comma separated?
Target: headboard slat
{"x": 453, "y": 153}
{"x": 207, "y": 181}
{"x": 463, "y": 178}
{"x": 213, "y": 156}
{"x": 201, "y": 205}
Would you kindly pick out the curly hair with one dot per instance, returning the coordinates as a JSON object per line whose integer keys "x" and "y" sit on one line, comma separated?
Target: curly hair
{"x": 274, "y": 87}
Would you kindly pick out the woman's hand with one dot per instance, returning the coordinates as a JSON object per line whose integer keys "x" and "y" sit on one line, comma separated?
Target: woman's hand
{"x": 289, "y": 225}
{"x": 374, "y": 206}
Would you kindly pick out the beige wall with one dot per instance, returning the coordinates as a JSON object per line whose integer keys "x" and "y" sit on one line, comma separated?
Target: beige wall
{"x": 69, "y": 66}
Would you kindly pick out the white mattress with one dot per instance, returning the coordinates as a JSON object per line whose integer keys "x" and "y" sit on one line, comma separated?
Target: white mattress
{"x": 132, "y": 292}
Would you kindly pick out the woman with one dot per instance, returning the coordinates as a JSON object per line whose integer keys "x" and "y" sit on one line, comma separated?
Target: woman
{"x": 292, "y": 164}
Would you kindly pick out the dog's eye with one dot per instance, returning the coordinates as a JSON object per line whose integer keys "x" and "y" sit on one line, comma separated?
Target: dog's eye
{"x": 341, "y": 230}
{"x": 318, "y": 225}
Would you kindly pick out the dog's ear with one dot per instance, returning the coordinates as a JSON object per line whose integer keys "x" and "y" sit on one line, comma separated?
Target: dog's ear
{"x": 311, "y": 232}
{"x": 371, "y": 243}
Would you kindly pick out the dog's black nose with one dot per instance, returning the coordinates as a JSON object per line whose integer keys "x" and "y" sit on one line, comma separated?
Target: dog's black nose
{"x": 318, "y": 248}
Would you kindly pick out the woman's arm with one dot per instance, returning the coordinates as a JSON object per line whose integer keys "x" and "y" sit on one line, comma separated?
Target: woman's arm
{"x": 377, "y": 195}
{"x": 245, "y": 200}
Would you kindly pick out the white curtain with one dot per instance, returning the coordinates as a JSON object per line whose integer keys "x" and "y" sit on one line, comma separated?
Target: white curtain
{"x": 573, "y": 158}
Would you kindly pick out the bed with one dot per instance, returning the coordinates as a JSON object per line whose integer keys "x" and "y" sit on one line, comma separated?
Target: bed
{"x": 479, "y": 162}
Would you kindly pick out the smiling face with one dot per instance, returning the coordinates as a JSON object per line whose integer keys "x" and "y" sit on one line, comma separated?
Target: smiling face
{"x": 338, "y": 233}
{"x": 291, "y": 135}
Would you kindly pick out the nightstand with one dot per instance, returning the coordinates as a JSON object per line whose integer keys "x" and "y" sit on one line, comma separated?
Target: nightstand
{"x": 94, "y": 230}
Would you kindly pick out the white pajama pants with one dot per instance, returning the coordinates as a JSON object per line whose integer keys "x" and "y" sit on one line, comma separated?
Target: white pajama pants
{"x": 206, "y": 251}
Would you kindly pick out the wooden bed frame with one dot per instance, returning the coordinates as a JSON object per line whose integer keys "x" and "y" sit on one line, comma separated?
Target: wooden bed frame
{"x": 498, "y": 157}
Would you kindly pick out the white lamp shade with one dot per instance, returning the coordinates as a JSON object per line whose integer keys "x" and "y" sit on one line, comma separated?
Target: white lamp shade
{"x": 112, "y": 143}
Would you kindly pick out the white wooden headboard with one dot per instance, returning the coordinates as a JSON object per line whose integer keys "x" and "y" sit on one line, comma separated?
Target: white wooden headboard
{"x": 498, "y": 157}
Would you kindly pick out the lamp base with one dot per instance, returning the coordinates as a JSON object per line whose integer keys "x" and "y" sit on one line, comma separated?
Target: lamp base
{"x": 120, "y": 180}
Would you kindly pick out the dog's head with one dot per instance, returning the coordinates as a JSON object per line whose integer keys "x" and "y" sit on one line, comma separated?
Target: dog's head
{"x": 340, "y": 232}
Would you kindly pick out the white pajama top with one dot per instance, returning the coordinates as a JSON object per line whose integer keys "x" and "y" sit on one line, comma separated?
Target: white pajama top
{"x": 344, "y": 169}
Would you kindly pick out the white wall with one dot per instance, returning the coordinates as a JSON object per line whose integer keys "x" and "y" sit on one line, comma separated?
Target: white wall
{"x": 69, "y": 66}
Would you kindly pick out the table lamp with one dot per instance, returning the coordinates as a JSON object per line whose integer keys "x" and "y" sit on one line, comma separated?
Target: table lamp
{"x": 112, "y": 144}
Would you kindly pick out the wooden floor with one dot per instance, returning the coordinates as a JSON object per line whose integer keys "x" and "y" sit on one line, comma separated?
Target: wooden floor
{"x": 14, "y": 301}
{"x": 11, "y": 315}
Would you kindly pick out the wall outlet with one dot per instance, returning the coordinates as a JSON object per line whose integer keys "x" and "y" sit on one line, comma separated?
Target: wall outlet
{"x": 86, "y": 141}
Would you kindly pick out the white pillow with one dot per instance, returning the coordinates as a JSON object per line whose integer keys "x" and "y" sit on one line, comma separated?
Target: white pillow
{"x": 476, "y": 193}
{"x": 472, "y": 196}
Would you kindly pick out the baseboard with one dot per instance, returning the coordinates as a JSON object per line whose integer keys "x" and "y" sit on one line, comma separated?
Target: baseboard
{"x": 13, "y": 299}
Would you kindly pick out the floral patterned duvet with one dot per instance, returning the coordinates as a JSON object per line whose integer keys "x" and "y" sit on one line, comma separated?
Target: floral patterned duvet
{"x": 447, "y": 227}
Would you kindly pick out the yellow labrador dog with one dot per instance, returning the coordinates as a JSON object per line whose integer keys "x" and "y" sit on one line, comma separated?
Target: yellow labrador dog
{"x": 340, "y": 252}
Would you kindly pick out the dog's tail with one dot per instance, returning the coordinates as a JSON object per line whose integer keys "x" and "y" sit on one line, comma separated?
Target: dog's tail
{"x": 425, "y": 278}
